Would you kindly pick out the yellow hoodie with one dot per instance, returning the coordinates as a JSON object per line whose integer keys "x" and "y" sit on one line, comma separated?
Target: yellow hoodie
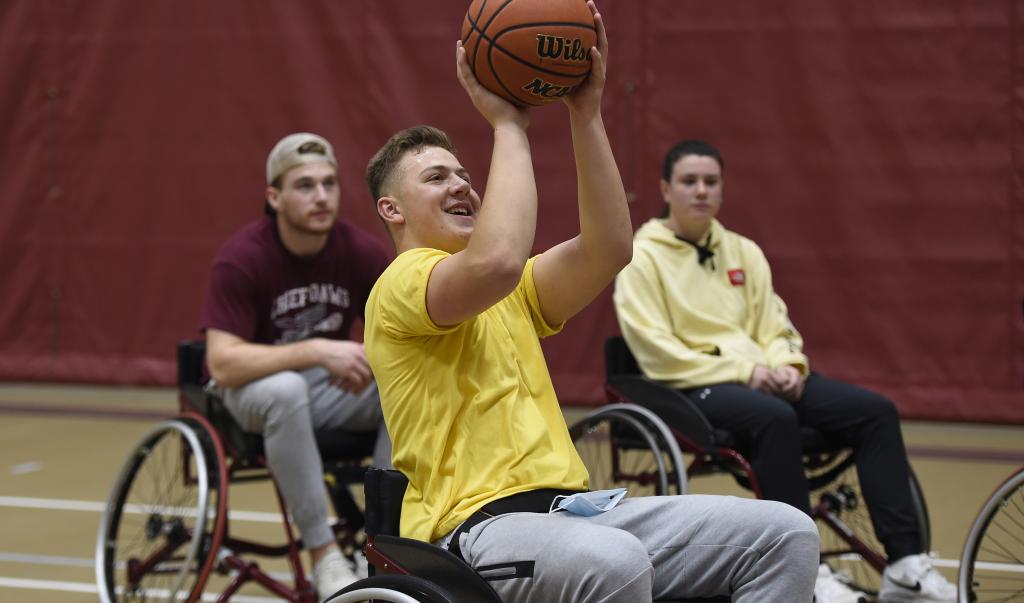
{"x": 691, "y": 324}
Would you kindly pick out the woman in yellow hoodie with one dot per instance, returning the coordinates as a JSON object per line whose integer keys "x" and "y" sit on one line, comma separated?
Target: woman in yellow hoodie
{"x": 697, "y": 308}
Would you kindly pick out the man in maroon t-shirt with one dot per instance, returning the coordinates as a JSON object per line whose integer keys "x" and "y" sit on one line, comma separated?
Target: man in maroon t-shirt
{"x": 284, "y": 292}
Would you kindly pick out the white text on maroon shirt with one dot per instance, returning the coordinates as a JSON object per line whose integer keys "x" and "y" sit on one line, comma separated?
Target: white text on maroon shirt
{"x": 316, "y": 293}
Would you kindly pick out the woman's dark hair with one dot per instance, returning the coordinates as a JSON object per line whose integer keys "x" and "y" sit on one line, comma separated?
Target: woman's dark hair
{"x": 690, "y": 147}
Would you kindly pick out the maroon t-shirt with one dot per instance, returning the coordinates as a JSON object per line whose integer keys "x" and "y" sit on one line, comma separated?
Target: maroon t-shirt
{"x": 263, "y": 293}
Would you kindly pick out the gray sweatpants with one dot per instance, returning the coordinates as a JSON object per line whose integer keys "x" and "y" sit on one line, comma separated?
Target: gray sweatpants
{"x": 665, "y": 547}
{"x": 288, "y": 408}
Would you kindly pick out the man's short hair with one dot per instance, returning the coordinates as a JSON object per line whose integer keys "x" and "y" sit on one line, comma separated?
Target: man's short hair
{"x": 384, "y": 161}
{"x": 699, "y": 148}
{"x": 292, "y": 151}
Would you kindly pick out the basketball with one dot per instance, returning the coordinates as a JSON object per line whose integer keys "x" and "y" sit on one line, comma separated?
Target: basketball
{"x": 531, "y": 52}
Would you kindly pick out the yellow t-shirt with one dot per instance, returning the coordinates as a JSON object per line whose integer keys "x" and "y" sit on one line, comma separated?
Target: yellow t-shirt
{"x": 470, "y": 408}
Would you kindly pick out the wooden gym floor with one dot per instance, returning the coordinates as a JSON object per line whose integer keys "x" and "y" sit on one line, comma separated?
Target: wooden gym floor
{"x": 61, "y": 446}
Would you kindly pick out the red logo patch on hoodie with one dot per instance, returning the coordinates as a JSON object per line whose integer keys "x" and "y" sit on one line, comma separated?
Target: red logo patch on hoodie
{"x": 737, "y": 277}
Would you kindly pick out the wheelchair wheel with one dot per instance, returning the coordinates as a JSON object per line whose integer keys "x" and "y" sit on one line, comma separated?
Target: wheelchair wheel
{"x": 164, "y": 518}
{"x": 836, "y": 480}
{"x": 392, "y": 588}
{"x": 619, "y": 450}
{"x": 992, "y": 564}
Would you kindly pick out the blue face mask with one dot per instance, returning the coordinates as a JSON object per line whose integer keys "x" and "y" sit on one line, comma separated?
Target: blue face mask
{"x": 588, "y": 504}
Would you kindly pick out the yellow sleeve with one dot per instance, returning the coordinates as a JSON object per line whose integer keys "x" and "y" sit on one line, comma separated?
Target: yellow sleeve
{"x": 402, "y": 294}
{"x": 772, "y": 329}
{"x": 528, "y": 291}
{"x": 645, "y": 318}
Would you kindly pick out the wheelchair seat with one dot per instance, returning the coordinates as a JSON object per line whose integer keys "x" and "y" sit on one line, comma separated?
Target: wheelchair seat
{"x": 849, "y": 542}
{"x": 451, "y": 577}
{"x": 624, "y": 380}
{"x": 247, "y": 447}
{"x": 341, "y": 450}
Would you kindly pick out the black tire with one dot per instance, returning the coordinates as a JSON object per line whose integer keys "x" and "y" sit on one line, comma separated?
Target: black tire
{"x": 992, "y": 563}
{"x": 838, "y": 479}
{"x": 620, "y": 451}
{"x": 392, "y": 588}
{"x": 163, "y": 520}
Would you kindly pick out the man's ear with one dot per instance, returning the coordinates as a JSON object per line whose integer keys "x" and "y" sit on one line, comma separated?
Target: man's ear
{"x": 388, "y": 210}
{"x": 273, "y": 197}
{"x": 664, "y": 190}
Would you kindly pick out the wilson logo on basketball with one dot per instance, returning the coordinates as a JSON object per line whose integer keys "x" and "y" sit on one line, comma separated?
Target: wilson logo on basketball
{"x": 539, "y": 87}
{"x": 557, "y": 47}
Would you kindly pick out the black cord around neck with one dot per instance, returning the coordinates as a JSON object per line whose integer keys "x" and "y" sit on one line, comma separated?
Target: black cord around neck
{"x": 704, "y": 252}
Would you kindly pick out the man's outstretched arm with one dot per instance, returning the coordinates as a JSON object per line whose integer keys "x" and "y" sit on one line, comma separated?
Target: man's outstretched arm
{"x": 489, "y": 268}
{"x": 569, "y": 275}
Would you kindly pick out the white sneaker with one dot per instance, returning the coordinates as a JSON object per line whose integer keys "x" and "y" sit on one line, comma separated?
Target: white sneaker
{"x": 830, "y": 589}
{"x": 332, "y": 573}
{"x": 914, "y": 579}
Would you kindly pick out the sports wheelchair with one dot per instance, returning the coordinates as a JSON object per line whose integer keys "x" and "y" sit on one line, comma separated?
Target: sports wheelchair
{"x": 410, "y": 571}
{"x": 848, "y": 542}
{"x": 166, "y": 527}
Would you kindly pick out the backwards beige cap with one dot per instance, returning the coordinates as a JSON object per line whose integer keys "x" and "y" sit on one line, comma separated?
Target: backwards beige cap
{"x": 298, "y": 149}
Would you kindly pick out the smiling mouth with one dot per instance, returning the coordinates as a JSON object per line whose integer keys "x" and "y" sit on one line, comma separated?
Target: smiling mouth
{"x": 459, "y": 211}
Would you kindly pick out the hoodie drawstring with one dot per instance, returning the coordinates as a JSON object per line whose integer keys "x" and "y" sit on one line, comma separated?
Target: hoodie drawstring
{"x": 704, "y": 252}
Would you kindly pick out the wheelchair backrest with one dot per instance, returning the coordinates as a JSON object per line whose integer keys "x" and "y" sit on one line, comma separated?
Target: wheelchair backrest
{"x": 192, "y": 376}
{"x": 625, "y": 382}
{"x": 618, "y": 359}
{"x": 191, "y": 354}
{"x": 384, "y": 490}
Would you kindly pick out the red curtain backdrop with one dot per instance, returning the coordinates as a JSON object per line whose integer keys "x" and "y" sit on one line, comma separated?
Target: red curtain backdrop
{"x": 873, "y": 149}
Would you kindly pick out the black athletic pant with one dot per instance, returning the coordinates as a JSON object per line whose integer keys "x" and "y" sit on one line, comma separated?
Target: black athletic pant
{"x": 767, "y": 429}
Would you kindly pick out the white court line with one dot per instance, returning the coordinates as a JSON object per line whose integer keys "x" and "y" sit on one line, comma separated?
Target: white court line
{"x": 950, "y": 563}
{"x": 23, "y": 468}
{"x": 1014, "y": 568}
{"x": 89, "y": 562}
{"x": 58, "y": 504}
{"x": 936, "y": 561}
{"x": 9, "y": 557}
{"x": 69, "y": 587}
{"x": 84, "y": 587}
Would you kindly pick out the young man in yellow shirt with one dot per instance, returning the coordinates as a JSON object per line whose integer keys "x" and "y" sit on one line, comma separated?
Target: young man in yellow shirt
{"x": 452, "y": 335}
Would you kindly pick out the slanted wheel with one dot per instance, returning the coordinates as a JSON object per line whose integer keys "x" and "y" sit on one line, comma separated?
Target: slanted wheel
{"x": 393, "y": 589}
{"x": 620, "y": 449}
{"x": 992, "y": 564}
{"x": 164, "y": 518}
{"x": 836, "y": 481}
